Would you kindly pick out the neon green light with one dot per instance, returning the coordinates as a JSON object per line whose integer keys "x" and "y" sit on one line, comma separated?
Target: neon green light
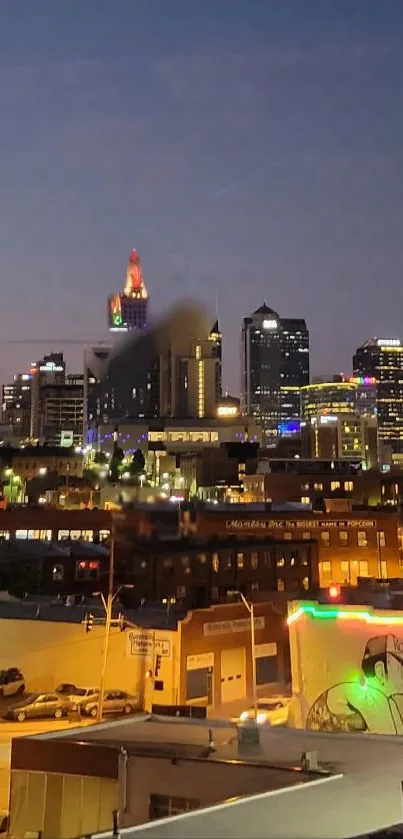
{"x": 366, "y": 616}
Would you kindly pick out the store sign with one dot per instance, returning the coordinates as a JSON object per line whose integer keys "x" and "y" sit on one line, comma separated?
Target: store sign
{"x": 200, "y": 661}
{"x": 227, "y": 627}
{"x": 266, "y": 650}
{"x": 143, "y": 644}
{"x": 275, "y": 524}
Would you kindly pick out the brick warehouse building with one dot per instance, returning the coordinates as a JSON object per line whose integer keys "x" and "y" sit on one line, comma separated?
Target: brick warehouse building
{"x": 199, "y": 572}
{"x": 351, "y": 544}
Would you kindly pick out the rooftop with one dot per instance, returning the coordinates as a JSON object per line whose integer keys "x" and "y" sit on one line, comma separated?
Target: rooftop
{"x": 352, "y": 769}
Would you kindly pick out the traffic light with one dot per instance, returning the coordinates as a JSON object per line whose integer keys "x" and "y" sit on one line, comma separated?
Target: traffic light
{"x": 158, "y": 660}
{"x": 334, "y": 592}
{"x": 88, "y": 622}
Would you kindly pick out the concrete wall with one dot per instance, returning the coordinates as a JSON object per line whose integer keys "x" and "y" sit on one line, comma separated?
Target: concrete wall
{"x": 60, "y": 806}
{"x": 325, "y": 809}
{"x": 50, "y": 653}
{"x": 197, "y": 780}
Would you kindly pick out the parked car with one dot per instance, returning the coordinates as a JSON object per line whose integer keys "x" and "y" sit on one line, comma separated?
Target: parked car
{"x": 115, "y": 702}
{"x": 45, "y": 705}
{"x": 12, "y": 682}
{"x": 272, "y": 710}
{"x": 76, "y": 695}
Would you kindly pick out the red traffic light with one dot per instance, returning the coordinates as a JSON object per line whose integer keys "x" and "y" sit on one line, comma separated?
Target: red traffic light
{"x": 334, "y": 591}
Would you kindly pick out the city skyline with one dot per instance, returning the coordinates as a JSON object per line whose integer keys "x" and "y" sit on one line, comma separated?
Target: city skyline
{"x": 297, "y": 202}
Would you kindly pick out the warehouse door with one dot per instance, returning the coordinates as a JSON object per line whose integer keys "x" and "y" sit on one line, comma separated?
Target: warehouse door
{"x": 233, "y": 681}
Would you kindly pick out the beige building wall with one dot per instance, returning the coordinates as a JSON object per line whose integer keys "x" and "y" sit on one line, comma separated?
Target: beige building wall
{"x": 51, "y": 653}
{"x": 60, "y": 806}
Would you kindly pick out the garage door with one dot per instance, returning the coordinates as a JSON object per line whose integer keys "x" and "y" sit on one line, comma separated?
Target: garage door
{"x": 233, "y": 681}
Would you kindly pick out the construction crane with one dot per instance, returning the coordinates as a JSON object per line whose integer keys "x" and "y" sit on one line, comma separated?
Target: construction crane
{"x": 59, "y": 341}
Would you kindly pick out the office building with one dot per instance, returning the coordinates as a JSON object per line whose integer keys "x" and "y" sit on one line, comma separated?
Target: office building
{"x": 61, "y": 414}
{"x": 98, "y": 391}
{"x": 16, "y": 414}
{"x": 275, "y": 365}
{"x": 56, "y": 403}
{"x": 127, "y": 310}
{"x": 216, "y": 339}
{"x": 48, "y": 371}
{"x": 382, "y": 359}
{"x": 350, "y": 436}
{"x": 190, "y": 378}
{"x": 325, "y": 398}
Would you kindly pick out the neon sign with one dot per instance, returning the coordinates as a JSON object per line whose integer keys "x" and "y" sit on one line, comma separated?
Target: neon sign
{"x": 366, "y": 616}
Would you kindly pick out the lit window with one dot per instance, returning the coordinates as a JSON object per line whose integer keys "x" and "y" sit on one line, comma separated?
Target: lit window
{"x": 87, "y": 569}
{"x": 318, "y": 486}
{"x": 305, "y": 583}
{"x": 305, "y": 499}
{"x": 348, "y": 486}
{"x": 325, "y": 569}
{"x": 57, "y": 573}
{"x": 381, "y": 539}
{"x": 280, "y": 585}
{"x": 280, "y": 562}
{"x": 325, "y": 538}
{"x": 334, "y": 485}
{"x": 345, "y": 570}
{"x": 343, "y": 538}
{"x": 363, "y": 568}
{"x": 239, "y": 560}
{"x": 288, "y": 535}
{"x": 306, "y": 534}
{"x": 254, "y": 560}
{"x": 215, "y": 563}
{"x": 362, "y": 539}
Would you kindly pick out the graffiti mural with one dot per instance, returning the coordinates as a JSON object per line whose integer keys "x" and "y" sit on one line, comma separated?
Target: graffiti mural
{"x": 373, "y": 703}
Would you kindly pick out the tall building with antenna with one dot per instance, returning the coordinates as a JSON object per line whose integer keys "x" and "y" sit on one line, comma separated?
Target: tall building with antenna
{"x": 127, "y": 310}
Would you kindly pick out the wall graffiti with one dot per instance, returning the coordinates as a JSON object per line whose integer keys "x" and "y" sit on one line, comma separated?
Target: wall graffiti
{"x": 374, "y": 702}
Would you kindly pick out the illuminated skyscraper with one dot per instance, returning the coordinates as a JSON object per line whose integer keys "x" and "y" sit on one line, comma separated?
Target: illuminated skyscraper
{"x": 382, "y": 359}
{"x": 275, "y": 365}
{"x": 127, "y": 310}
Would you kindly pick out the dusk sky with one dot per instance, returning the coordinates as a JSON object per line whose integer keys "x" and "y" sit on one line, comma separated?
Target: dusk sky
{"x": 249, "y": 149}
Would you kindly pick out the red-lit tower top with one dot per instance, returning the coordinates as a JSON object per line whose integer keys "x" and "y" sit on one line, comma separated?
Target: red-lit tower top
{"x": 128, "y": 309}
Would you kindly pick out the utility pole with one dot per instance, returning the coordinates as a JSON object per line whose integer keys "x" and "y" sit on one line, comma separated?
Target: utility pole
{"x": 251, "y": 609}
{"x": 108, "y": 608}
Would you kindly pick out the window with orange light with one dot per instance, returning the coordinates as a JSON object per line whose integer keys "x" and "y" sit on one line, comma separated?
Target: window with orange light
{"x": 87, "y": 569}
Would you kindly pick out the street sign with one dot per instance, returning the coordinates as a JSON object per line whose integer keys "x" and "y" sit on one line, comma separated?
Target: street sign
{"x": 143, "y": 644}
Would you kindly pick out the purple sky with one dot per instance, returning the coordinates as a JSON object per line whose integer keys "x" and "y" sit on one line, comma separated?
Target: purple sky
{"x": 250, "y": 149}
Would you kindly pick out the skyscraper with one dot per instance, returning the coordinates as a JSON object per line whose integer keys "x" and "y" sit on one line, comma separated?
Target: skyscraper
{"x": 275, "y": 365}
{"x": 17, "y": 404}
{"x": 216, "y": 339}
{"x": 382, "y": 359}
{"x": 127, "y": 310}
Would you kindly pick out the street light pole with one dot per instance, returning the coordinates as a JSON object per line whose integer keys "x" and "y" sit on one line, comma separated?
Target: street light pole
{"x": 109, "y": 606}
{"x": 251, "y": 609}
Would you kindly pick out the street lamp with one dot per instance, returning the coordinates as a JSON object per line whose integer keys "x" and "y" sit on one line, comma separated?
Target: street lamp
{"x": 251, "y": 610}
{"x": 108, "y": 606}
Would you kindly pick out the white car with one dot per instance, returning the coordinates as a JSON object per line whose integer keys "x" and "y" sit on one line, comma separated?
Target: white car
{"x": 77, "y": 696}
{"x": 272, "y": 710}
